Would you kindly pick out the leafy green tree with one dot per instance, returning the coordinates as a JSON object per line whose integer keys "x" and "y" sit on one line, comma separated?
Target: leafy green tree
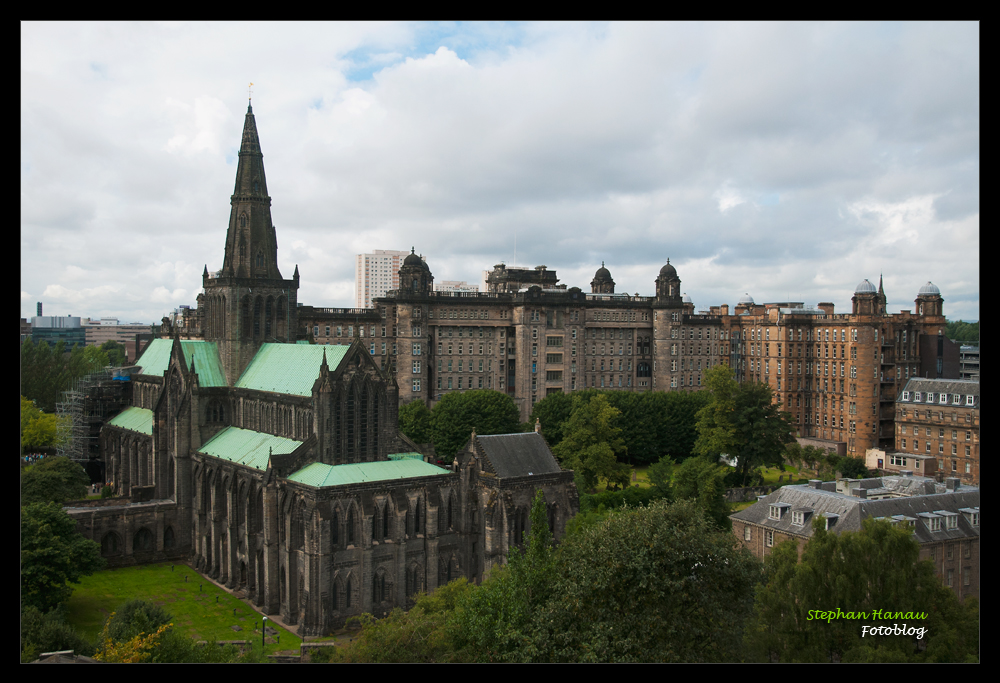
{"x": 495, "y": 620}
{"x": 743, "y": 422}
{"x": 592, "y": 444}
{"x": 457, "y": 414}
{"x": 962, "y": 332}
{"x": 853, "y": 468}
{"x": 116, "y": 353}
{"x": 654, "y": 584}
{"x": 38, "y": 429}
{"x": 702, "y": 481}
{"x": 876, "y": 568}
{"x": 53, "y": 479}
{"x": 661, "y": 475}
{"x": 53, "y": 555}
{"x": 552, "y": 412}
{"x": 49, "y": 633}
{"x": 415, "y": 421}
{"x": 424, "y": 633}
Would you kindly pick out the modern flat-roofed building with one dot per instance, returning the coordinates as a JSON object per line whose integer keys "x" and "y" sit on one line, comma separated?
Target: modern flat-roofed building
{"x": 375, "y": 274}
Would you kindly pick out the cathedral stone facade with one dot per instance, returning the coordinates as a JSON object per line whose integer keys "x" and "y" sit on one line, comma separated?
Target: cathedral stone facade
{"x": 277, "y": 467}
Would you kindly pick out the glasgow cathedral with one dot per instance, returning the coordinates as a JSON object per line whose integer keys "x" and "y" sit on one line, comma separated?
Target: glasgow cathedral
{"x": 276, "y": 467}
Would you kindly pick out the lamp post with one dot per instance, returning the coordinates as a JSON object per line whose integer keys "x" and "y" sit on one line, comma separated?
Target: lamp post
{"x": 263, "y": 633}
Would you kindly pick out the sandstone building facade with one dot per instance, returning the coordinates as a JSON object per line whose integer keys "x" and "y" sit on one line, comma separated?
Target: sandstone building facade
{"x": 277, "y": 467}
{"x": 838, "y": 374}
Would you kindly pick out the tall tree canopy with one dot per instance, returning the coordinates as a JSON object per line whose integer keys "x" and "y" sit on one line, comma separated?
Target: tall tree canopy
{"x": 876, "y": 568}
{"x": 457, "y": 414}
{"x": 415, "y": 421}
{"x": 592, "y": 444}
{"x": 653, "y": 424}
{"x": 742, "y": 422}
{"x": 53, "y": 555}
{"x": 653, "y": 584}
{"x": 53, "y": 479}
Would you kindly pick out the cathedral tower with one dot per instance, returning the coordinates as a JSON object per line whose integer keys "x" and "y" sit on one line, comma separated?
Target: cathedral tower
{"x": 247, "y": 302}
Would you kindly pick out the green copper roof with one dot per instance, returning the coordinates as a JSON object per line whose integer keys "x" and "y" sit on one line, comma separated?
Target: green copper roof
{"x": 289, "y": 368}
{"x": 247, "y": 447}
{"x": 134, "y": 419}
{"x": 156, "y": 359}
{"x": 320, "y": 475}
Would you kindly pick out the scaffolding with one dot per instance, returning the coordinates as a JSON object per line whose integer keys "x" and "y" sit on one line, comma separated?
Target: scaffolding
{"x": 93, "y": 400}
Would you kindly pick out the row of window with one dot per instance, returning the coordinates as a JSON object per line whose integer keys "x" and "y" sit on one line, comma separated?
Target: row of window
{"x": 941, "y": 398}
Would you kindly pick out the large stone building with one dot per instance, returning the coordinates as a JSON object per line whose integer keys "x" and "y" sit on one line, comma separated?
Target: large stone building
{"x": 838, "y": 374}
{"x": 938, "y": 420}
{"x": 278, "y": 468}
{"x": 943, "y": 518}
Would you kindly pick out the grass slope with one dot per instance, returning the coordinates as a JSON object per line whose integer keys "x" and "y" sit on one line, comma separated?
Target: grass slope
{"x": 201, "y": 610}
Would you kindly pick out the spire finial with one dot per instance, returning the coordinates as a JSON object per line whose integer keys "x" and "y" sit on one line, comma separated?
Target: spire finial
{"x": 249, "y": 92}
{"x": 602, "y": 263}
{"x": 413, "y": 250}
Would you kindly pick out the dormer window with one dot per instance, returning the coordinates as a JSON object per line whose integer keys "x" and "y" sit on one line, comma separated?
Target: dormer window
{"x": 931, "y": 521}
{"x": 776, "y": 510}
{"x": 830, "y": 519}
{"x": 916, "y": 396}
{"x": 971, "y": 515}
{"x": 799, "y": 517}
{"x": 943, "y": 399}
{"x": 956, "y": 399}
{"x": 950, "y": 519}
{"x": 906, "y": 396}
{"x": 970, "y": 400}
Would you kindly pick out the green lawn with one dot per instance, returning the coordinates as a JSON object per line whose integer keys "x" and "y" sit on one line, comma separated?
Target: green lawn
{"x": 200, "y": 609}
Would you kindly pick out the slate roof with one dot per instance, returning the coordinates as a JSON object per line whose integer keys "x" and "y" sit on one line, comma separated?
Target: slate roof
{"x": 156, "y": 359}
{"x": 961, "y": 387}
{"x": 134, "y": 419}
{"x": 247, "y": 447}
{"x": 516, "y": 455}
{"x": 852, "y": 511}
{"x": 289, "y": 368}
{"x": 321, "y": 476}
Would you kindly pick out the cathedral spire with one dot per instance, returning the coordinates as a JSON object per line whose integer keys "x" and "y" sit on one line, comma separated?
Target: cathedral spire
{"x": 251, "y": 244}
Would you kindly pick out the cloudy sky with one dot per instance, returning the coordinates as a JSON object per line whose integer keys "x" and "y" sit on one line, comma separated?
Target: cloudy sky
{"x": 789, "y": 161}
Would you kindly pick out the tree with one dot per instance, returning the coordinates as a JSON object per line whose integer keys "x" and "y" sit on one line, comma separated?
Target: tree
{"x": 415, "y": 421}
{"x": 661, "y": 475}
{"x": 53, "y": 554}
{"x": 592, "y": 444}
{"x": 743, "y": 422}
{"x": 53, "y": 479}
{"x": 49, "y": 633}
{"x": 495, "y": 620}
{"x": 853, "y": 468}
{"x": 702, "y": 481}
{"x": 116, "y": 352}
{"x": 876, "y": 568}
{"x": 457, "y": 414}
{"x": 38, "y": 429}
{"x": 424, "y": 633}
{"x": 659, "y": 583}
{"x": 552, "y": 412}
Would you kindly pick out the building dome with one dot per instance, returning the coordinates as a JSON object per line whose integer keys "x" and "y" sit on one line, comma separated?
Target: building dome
{"x": 929, "y": 288}
{"x": 686, "y": 299}
{"x": 865, "y": 287}
{"x": 668, "y": 270}
{"x": 413, "y": 259}
{"x": 602, "y": 273}
{"x": 746, "y": 299}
